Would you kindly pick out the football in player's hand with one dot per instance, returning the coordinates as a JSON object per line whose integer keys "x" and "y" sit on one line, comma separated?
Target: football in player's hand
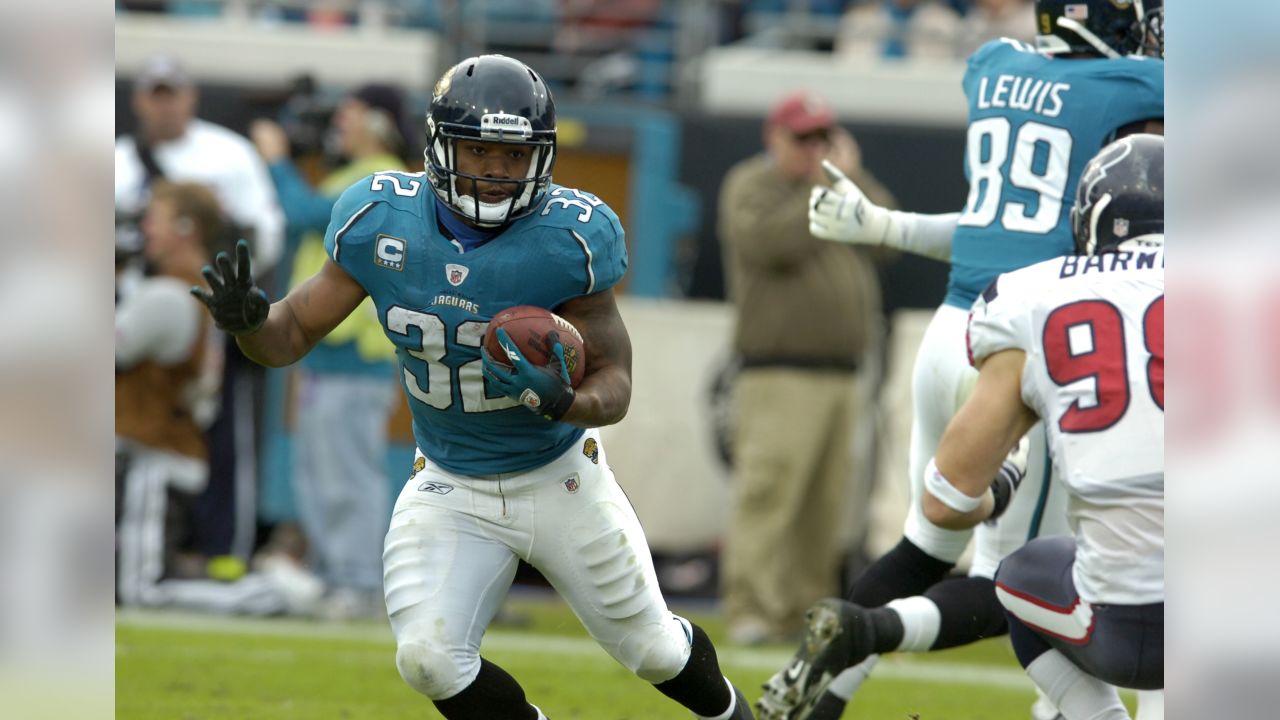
{"x": 534, "y": 330}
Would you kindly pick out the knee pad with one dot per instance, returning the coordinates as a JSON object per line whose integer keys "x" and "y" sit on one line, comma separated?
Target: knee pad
{"x": 657, "y": 652}
{"x": 433, "y": 670}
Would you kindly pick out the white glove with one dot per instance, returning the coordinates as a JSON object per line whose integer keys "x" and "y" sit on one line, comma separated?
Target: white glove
{"x": 843, "y": 213}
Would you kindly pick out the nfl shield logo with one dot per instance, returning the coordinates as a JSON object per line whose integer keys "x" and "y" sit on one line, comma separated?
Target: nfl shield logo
{"x": 571, "y": 484}
{"x": 1120, "y": 227}
{"x": 455, "y": 273}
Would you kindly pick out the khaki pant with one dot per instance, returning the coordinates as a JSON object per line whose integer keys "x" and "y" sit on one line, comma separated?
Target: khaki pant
{"x": 794, "y": 489}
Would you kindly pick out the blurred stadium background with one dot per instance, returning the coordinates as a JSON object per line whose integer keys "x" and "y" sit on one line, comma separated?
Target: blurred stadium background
{"x": 57, "y": 655}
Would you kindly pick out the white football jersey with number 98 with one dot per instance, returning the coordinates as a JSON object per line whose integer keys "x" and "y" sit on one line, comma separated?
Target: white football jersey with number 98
{"x": 1093, "y": 332}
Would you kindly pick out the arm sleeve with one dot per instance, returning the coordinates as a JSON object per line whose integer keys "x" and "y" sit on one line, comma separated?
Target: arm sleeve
{"x": 159, "y": 322}
{"x": 927, "y": 235}
{"x": 304, "y": 208}
{"x": 353, "y": 214}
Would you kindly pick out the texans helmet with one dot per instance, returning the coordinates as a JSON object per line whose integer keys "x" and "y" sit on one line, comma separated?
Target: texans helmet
{"x": 490, "y": 98}
{"x": 1120, "y": 199}
{"x": 1110, "y": 28}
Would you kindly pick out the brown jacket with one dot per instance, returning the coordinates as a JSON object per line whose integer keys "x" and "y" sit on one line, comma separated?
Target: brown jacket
{"x": 801, "y": 301}
{"x": 153, "y": 401}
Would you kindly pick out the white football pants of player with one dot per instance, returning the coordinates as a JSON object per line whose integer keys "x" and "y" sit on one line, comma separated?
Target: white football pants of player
{"x": 452, "y": 550}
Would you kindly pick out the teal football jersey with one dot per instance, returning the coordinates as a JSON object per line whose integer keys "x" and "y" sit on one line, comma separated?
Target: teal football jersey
{"x": 435, "y": 301}
{"x": 1034, "y": 122}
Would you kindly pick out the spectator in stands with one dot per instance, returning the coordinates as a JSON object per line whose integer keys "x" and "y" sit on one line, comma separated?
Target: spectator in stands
{"x": 805, "y": 319}
{"x": 345, "y": 387}
{"x": 168, "y": 373}
{"x": 990, "y": 19}
{"x": 897, "y": 29}
{"x": 172, "y": 143}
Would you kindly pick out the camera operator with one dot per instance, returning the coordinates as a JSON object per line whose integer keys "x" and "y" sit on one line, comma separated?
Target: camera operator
{"x": 346, "y": 386}
{"x": 172, "y": 143}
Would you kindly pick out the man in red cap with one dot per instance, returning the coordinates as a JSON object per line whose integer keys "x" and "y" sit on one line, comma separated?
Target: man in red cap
{"x": 808, "y": 313}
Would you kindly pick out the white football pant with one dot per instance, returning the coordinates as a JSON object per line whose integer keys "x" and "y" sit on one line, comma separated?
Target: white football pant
{"x": 452, "y": 550}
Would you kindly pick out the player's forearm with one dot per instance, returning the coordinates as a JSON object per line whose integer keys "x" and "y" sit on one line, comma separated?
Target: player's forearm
{"x": 602, "y": 399}
{"x": 279, "y": 342}
{"x": 921, "y": 234}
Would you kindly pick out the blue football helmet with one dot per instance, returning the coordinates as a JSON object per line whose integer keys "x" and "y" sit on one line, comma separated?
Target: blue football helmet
{"x": 1120, "y": 199}
{"x": 492, "y": 98}
{"x": 1110, "y": 28}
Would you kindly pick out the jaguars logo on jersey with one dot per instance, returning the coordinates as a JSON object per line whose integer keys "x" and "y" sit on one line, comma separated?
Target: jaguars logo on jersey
{"x": 418, "y": 464}
{"x": 591, "y": 449}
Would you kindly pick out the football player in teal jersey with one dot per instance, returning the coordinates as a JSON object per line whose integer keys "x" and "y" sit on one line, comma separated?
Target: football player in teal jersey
{"x": 509, "y": 466}
{"x": 1036, "y": 117}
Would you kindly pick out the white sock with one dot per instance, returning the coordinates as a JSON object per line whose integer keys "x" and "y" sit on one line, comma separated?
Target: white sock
{"x": 1079, "y": 696}
{"x": 540, "y": 715}
{"x": 1150, "y": 705}
{"x": 847, "y": 683}
{"x": 733, "y": 705}
{"x": 921, "y": 621}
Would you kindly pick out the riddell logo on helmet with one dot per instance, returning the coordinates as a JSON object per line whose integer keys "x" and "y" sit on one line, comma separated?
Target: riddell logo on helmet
{"x": 500, "y": 126}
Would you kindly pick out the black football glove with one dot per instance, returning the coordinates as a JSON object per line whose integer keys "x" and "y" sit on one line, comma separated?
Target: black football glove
{"x": 236, "y": 304}
{"x": 1009, "y": 478}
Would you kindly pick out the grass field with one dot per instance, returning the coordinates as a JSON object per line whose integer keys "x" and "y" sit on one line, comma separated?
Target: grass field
{"x": 191, "y": 667}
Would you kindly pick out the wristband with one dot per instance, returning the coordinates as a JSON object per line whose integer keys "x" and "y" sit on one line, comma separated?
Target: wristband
{"x": 946, "y": 493}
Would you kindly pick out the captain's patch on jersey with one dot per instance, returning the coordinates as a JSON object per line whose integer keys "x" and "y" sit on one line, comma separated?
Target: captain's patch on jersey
{"x": 390, "y": 252}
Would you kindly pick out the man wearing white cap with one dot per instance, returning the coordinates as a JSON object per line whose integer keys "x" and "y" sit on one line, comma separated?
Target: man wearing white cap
{"x": 173, "y": 144}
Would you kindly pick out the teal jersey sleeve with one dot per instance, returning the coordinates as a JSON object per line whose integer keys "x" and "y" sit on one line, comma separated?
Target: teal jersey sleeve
{"x": 598, "y": 255}
{"x": 1034, "y": 122}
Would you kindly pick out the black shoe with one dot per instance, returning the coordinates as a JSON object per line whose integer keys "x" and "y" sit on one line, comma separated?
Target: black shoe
{"x": 838, "y": 635}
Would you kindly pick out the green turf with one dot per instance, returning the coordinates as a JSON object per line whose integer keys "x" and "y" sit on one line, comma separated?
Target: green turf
{"x": 186, "y": 668}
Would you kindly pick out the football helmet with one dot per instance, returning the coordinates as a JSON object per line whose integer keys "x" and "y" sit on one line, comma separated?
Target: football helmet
{"x": 491, "y": 98}
{"x": 1120, "y": 199}
{"x": 1111, "y": 28}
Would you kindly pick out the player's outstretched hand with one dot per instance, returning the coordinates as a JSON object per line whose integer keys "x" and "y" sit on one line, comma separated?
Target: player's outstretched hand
{"x": 236, "y": 304}
{"x": 544, "y": 390}
{"x": 843, "y": 213}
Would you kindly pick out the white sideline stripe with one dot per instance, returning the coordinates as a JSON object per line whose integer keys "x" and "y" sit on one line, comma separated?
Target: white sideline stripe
{"x": 894, "y": 667}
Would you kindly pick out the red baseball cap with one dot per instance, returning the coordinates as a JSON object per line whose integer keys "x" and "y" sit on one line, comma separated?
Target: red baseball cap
{"x": 800, "y": 113}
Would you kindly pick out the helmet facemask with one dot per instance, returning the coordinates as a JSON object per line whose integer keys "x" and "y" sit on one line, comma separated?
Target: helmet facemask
{"x": 441, "y": 156}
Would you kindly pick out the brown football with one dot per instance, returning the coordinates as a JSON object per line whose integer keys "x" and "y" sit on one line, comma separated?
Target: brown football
{"x": 530, "y": 329}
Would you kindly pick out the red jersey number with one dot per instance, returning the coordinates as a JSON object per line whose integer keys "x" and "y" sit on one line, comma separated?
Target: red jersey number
{"x": 1085, "y": 341}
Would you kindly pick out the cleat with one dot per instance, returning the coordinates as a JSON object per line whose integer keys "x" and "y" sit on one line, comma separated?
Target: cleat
{"x": 838, "y": 635}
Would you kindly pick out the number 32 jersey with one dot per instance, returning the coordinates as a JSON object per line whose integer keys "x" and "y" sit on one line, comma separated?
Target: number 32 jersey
{"x": 1092, "y": 329}
{"x": 435, "y": 301}
{"x": 1034, "y": 122}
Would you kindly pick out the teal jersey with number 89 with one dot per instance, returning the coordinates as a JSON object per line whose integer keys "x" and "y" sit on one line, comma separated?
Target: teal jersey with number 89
{"x": 435, "y": 302}
{"x": 1034, "y": 122}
